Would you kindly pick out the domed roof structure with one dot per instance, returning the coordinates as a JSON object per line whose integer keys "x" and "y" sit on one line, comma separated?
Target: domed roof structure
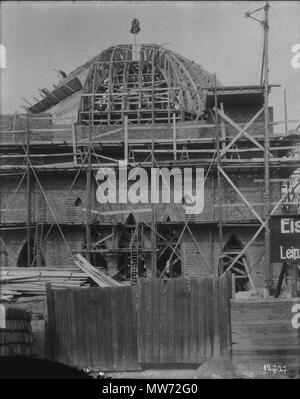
{"x": 148, "y": 83}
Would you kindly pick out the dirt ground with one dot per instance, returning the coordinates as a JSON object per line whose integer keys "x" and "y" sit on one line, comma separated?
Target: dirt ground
{"x": 212, "y": 369}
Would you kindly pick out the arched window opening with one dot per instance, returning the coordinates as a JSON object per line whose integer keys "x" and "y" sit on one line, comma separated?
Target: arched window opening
{"x": 36, "y": 255}
{"x": 233, "y": 248}
{"x": 78, "y": 202}
{"x": 169, "y": 255}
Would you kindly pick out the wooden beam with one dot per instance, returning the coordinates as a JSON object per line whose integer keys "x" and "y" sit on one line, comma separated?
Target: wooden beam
{"x": 99, "y": 136}
{"x": 102, "y": 240}
{"x": 240, "y": 131}
{"x": 241, "y": 195}
{"x": 74, "y": 144}
{"x": 285, "y": 114}
{"x": 126, "y": 138}
{"x": 174, "y": 137}
{"x": 223, "y": 130}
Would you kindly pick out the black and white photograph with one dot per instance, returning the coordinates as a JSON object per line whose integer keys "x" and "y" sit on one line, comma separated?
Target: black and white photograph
{"x": 149, "y": 193}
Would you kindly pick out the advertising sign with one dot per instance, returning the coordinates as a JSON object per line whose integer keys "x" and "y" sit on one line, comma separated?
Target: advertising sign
{"x": 285, "y": 238}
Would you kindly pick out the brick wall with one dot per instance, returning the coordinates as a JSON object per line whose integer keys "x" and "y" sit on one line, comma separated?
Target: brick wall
{"x": 57, "y": 252}
{"x": 54, "y": 249}
{"x": 56, "y": 188}
{"x": 207, "y": 239}
{"x": 14, "y": 240}
{"x": 49, "y": 132}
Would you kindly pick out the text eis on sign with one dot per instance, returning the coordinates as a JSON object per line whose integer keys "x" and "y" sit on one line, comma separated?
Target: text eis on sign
{"x": 285, "y": 238}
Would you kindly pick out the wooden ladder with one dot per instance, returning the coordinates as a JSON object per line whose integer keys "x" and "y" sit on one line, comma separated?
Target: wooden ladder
{"x": 37, "y": 244}
{"x": 184, "y": 154}
{"x": 134, "y": 255}
{"x": 38, "y": 229}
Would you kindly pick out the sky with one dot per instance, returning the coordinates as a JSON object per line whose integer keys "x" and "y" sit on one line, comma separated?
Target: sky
{"x": 40, "y": 37}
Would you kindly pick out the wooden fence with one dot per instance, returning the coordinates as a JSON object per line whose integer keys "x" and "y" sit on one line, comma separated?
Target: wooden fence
{"x": 92, "y": 328}
{"x": 183, "y": 321}
{"x": 266, "y": 334}
{"x": 173, "y": 321}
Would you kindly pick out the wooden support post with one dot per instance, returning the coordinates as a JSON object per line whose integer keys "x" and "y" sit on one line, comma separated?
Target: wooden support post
{"x": 223, "y": 130}
{"x": 153, "y": 229}
{"x": 29, "y": 260}
{"x": 294, "y": 278}
{"x": 285, "y": 114}
{"x": 88, "y": 196}
{"x": 280, "y": 279}
{"x": 174, "y": 136}
{"x": 140, "y": 88}
{"x": 51, "y": 341}
{"x": 218, "y": 177}
{"x": 153, "y": 224}
{"x": 126, "y": 138}
{"x": 74, "y": 144}
{"x": 232, "y": 285}
{"x": 152, "y": 90}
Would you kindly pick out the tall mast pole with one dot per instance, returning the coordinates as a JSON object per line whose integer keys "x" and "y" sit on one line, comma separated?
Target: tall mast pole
{"x": 268, "y": 276}
{"x": 265, "y": 82}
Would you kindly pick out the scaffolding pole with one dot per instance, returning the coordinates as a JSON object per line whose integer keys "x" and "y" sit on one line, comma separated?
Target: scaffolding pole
{"x": 268, "y": 271}
{"x": 220, "y": 227}
{"x": 28, "y": 188}
{"x": 153, "y": 224}
{"x": 285, "y": 114}
{"x": 88, "y": 195}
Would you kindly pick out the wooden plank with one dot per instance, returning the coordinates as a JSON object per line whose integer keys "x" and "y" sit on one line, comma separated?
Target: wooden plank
{"x": 171, "y": 330}
{"x": 262, "y": 332}
{"x": 155, "y": 303}
{"x": 50, "y": 350}
{"x": 216, "y": 308}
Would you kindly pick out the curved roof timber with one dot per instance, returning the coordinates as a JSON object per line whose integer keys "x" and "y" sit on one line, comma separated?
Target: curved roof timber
{"x": 116, "y": 79}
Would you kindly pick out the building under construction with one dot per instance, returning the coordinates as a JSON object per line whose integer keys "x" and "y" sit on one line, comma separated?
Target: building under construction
{"x": 151, "y": 108}
{"x": 140, "y": 173}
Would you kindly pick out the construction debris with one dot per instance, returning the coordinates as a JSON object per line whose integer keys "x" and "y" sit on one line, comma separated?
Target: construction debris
{"x": 97, "y": 276}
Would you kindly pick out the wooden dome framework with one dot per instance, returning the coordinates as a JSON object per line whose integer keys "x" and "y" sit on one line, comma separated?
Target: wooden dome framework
{"x": 148, "y": 84}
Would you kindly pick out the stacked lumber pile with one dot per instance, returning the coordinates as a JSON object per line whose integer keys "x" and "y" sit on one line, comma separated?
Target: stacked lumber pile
{"x": 16, "y": 337}
{"x": 99, "y": 277}
{"x": 15, "y": 281}
{"x": 18, "y": 282}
